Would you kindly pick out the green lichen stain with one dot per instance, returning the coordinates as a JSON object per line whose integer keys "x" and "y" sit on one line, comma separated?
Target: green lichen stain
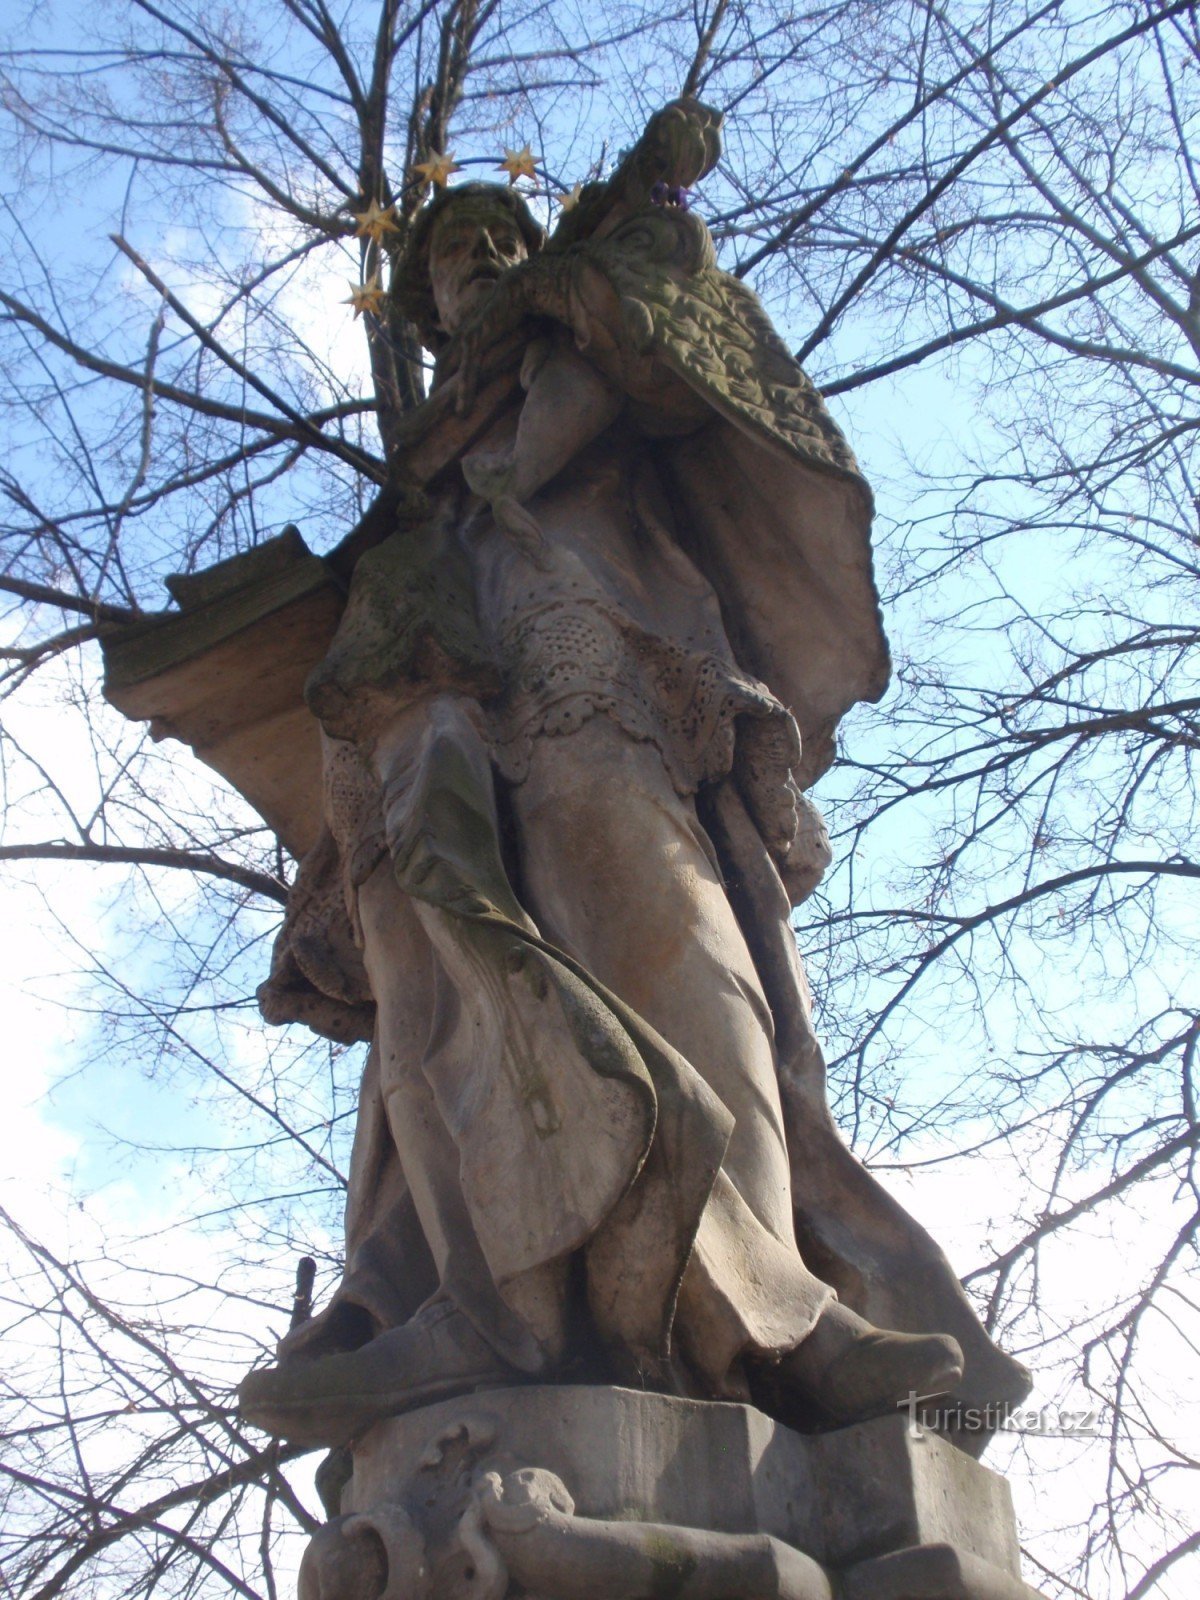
{"x": 409, "y": 621}
{"x": 671, "y": 1565}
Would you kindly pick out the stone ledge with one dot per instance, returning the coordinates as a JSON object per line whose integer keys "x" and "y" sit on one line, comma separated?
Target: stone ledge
{"x": 598, "y": 1493}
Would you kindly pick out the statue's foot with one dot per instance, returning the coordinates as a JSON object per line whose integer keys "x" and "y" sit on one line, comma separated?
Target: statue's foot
{"x": 334, "y": 1398}
{"x": 850, "y": 1371}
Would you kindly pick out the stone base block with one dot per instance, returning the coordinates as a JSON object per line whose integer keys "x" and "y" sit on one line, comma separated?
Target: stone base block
{"x": 598, "y": 1493}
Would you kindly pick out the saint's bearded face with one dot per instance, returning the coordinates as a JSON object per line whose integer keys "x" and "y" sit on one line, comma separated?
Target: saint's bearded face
{"x": 472, "y": 245}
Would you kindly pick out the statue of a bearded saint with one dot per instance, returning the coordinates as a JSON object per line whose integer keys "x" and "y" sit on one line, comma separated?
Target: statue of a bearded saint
{"x": 569, "y": 715}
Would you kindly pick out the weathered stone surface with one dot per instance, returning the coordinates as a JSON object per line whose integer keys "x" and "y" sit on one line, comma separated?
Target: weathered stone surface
{"x": 623, "y": 1452}
{"x": 931, "y": 1572}
{"x": 571, "y": 1492}
{"x": 885, "y": 1485}
{"x": 225, "y": 675}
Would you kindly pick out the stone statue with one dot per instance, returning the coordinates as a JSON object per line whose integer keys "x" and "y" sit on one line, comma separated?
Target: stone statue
{"x": 539, "y": 732}
{"x": 573, "y": 702}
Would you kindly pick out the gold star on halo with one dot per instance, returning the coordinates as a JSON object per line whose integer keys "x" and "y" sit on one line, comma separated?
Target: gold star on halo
{"x": 370, "y": 296}
{"x": 375, "y": 222}
{"x": 519, "y": 164}
{"x": 568, "y": 202}
{"x": 437, "y": 169}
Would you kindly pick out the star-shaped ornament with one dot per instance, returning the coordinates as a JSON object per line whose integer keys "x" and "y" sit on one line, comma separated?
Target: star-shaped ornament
{"x": 376, "y": 222}
{"x": 370, "y": 296}
{"x": 568, "y": 202}
{"x": 519, "y": 164}
{"x": 437, "y": 169}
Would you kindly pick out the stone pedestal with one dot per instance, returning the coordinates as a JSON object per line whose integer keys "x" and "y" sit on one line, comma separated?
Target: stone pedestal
{"x": 612, "y": 1494}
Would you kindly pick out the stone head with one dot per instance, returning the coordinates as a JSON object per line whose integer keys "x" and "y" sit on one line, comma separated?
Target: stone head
{"x": 461, "y": 242}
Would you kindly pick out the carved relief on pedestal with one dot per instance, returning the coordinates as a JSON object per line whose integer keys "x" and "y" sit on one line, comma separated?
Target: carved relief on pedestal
{"x": 447, "y": 1505}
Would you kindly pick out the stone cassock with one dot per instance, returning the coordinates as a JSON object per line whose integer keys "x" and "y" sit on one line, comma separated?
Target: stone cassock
{"x": 569, "y": 714}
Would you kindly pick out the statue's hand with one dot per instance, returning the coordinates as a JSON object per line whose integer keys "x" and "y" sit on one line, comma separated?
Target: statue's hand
{"x": 681, "y": 144}
{"x": 499, "y": 316}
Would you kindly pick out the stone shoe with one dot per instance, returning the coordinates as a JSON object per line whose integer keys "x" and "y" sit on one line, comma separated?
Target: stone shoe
{"x": 882, "y": 1371}
{"x": 334, "y": 1398}
{"x": 850, "y": 1371}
